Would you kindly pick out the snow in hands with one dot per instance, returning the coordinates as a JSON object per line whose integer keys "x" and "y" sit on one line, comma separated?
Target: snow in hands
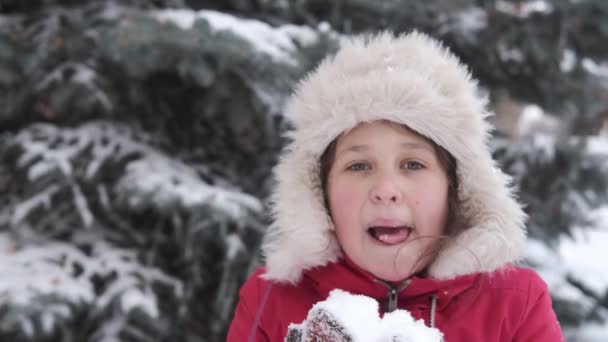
{"x": 347, "y": 317}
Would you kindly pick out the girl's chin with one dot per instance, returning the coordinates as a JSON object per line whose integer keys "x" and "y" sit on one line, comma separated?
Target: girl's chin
{"x": 390, "y": 275}
{"x": 387, "y": 268}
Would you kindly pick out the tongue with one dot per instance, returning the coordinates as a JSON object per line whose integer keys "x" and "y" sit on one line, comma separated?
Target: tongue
{"x": 390, "y": 236}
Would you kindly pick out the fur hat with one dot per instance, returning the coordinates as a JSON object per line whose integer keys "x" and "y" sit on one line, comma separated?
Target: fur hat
{"x": 413, "y": 80}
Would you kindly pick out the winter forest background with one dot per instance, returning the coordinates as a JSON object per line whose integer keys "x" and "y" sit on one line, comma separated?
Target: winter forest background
{"x": 137, "y": 139}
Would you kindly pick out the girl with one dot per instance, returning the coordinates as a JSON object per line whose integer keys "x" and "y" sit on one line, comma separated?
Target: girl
{"x": 388, "y": 189}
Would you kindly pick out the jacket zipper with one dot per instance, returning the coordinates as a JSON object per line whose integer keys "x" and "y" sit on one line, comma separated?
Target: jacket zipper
{"x": 392, "y": 300}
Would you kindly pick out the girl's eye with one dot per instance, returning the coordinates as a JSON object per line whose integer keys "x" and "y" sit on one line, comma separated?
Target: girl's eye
{"x": 358, "y": 167}
{"x": 412, "y": 165}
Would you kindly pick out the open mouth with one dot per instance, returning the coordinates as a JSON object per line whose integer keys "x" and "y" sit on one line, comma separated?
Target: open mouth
{"x": 390, "y": 235}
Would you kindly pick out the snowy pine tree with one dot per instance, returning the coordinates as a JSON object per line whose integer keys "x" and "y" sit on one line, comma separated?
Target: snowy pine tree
{"x": 136, "y": 150}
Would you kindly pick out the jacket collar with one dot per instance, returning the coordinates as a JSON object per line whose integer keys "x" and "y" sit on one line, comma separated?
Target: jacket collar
{"x": 347, "y": 276}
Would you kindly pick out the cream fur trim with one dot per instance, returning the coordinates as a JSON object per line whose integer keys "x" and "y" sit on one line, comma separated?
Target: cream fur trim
{"x": 413, "y": 80}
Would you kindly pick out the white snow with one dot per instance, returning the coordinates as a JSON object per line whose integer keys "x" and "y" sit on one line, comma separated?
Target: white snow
{"x": 598, "y": 145}
{"x": 235, "y": 244}
{"x": 43, "y": 198}
{"x": 49, "y": 158}
{"x": 585, "y": 254}
{"x": 82, "y": 206}
{"x": 111, "y": 11}
{"x": 392, "y": 329}
{"x": 27, "y": 326}
{"x": 355, "y": 312}
{"x": 133, "y": 298}
{"x": 183, "y": 18}
{"x": 468, "y": 21}
{"x": 110, "y": 330}
{"x": 598, "y": 69}
{"x": 524, "y": 9}
{"x": 568, "y": 60}
{"x": 47, "y": 322}
{"x": 82, "y": 74}
{"x": 324, "y": 27}
{"x": 507, "y": 54}
{"x": 358, "y": 316}
{"x": 545, "y": 143}
{"x": 31, "y": 271}
{"x": 593, "y": 332}
{"x": 549, "y": 265}
{"x": 277, "y": 42}
{"x": 154, "y": 176}
{"x": 167, "y": 182}
{"x": 472, "y": 19}
{"x": 529, "y": 115}
{"x": 532, "y": 112}
{"x": 582, "y": 256}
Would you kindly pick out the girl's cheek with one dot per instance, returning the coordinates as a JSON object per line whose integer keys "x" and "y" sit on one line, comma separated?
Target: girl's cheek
{"x": 339, "y": 194}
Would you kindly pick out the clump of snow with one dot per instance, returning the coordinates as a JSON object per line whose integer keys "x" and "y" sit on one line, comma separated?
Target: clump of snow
{"x": 183, "y": 18}
{"x": 471, "y": 20}
{"x": 324, "y": 27}
{"x": 568, "y": 61}
{"x": 168, "y": 184}
{"x": 400, "y": 326}
{"x": 81, "y": 74}
{"x": 347, "y": 317}
{"x": 534, "y": 121}
{"x": 595, "y": 68}
{"x": 303, "y": 35}
{"x": 43, "y": 198}
{"x": 597, "y": 146}
{"x": 510, "y": 54}
{"x": 279, "y": 42}
{"x": 524, "y": 9}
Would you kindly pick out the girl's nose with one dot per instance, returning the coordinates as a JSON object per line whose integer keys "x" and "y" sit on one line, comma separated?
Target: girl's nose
{"x": 385, "y": 192}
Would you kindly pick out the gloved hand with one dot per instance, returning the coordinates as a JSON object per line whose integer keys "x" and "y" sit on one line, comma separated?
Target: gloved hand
{"x": 344, "y": 317}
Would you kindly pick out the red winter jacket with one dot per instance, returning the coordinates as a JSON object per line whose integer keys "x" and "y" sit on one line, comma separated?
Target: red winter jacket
{"x": 511, "y": 304}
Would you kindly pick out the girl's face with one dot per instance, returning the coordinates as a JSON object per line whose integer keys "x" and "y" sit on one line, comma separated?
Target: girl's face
{"x": 388, "y": 198}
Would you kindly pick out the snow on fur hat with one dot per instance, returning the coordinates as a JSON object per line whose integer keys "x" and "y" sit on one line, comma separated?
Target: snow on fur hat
{"x": 413, "y": 80}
